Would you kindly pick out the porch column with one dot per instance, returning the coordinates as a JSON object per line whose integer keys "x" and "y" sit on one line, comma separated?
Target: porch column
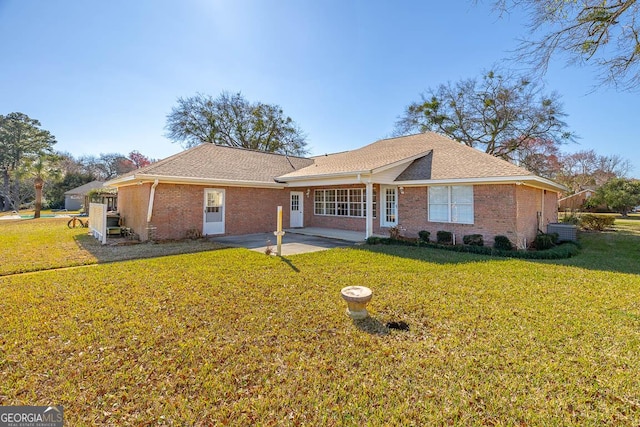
{"x": 369, "y": 206}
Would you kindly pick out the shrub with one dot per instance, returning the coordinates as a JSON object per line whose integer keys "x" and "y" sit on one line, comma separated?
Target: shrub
{"x": 596, "y": 222}
{"x": 394, "y": 232}
{"x": 424, "y": 235}
{"x": 193, "y": 234}
{"x": 502, "y": 243}
{"x": 445, "y": 237}
{"x": 572, "y": 219}
{"x": 564, "y": 250}
{"x": 375, "y": 240}
{"x": 473, "y": 240}
{"x": 545, "y": 241}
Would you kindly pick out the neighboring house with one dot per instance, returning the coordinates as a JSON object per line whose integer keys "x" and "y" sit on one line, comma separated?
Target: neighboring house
{"x": 75, "y": 199}
{"x": 418, "y": 182}
{"x": 575, "y": 201}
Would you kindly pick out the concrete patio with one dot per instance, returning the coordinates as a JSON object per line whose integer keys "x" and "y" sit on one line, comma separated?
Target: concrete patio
{"x": 295, "y": 241}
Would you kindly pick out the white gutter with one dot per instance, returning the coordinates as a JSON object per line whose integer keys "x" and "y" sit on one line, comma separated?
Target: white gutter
{"x": 349, "y": 173}
{"x": 138, "y": 179}
{"x": 529, "y": 180}
{"x": 151, "y": 198}
{"x": 287, "y": 179}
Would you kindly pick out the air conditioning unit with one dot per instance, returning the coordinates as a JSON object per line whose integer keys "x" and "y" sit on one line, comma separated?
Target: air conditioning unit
{"x": 566, "y": 232}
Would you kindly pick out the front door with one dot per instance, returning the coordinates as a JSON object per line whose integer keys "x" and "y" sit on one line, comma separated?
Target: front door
{"x": 389, "y": 214}
{"x": 213, "y": 221}
{"x": 296, "y": 217}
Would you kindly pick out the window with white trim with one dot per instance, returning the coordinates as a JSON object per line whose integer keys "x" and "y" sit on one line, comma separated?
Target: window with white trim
{"x": 342, "y": 202}
{"x": 451, "y": 203}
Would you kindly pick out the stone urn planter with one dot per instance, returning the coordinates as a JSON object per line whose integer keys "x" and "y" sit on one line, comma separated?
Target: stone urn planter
{"x": 357, "y": 298}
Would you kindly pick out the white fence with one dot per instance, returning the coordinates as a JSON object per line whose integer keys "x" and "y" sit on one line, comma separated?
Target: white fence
{"x": 98, "y": 221}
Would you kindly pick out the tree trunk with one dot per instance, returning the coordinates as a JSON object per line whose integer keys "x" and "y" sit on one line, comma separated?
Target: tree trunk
{"x": 6, "y": 186}
{"x": 38, "y": 183}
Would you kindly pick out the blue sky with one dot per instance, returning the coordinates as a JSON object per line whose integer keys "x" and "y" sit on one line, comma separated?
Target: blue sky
{"x": 103, "y": 75}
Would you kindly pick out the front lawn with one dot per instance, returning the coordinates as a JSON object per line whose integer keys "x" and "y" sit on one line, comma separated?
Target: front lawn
{"x": 234, "y": 337}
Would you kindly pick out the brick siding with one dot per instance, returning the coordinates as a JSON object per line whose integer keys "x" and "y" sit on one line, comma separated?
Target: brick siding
{"x": 505, "y": 209}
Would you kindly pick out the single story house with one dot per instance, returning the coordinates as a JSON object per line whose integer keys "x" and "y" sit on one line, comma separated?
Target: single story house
{"x": 76, "y": 198}
{"x": 575, "y": 201}
{"x": 418, "y": 182}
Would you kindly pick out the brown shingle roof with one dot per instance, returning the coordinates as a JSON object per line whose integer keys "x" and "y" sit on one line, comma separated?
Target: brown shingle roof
{"x": 436, "y": 157}
{"x": 215, "y": 162}
{"x": 85, "y": 188}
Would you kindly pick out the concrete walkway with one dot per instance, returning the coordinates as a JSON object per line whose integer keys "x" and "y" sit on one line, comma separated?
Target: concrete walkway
{"x": 295, "y": 241}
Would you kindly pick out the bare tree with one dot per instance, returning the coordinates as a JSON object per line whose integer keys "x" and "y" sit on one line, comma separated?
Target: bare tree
{"x": 587, "y": 169}
{"x": 601, "y": 32}
{"x": 500, "y": 114}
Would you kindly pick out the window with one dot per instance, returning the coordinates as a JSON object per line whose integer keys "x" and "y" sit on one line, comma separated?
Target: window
{"x": 343, "y": 202}
{"x": 451, "y": 204}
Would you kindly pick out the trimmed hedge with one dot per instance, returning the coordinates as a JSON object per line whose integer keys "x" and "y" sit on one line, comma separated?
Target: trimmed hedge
{"x": 473, "y": 240}
{"x": 424, "y": 235}
{"x": 545, "y": 241}
{"x": 445, "y": 237}
{"x": 502, "y": 243}
{"x": 563, "y": 250}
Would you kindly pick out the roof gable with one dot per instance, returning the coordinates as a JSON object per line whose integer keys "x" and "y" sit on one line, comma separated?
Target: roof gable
{"x": 85, "y": 188}
{"x": 429, "y": 156}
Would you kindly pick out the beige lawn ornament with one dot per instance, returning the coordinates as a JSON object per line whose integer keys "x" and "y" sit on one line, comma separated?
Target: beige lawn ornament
{"x": 357, "y": 298}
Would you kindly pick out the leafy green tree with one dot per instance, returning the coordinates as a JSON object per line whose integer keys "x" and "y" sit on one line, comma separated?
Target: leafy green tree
{"x": 55, "y": 192}
{"x": 232, "y": 120}
{"x": 499, "y": 114}
{"x": 619, "y": 194}
{"x": 21, "y": 140}
{"x": 601, "y": 32}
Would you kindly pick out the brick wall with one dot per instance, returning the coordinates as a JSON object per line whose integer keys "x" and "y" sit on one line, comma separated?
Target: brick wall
{"x": 494, "y": 213}
{"x": 255, "y": 210}
{"x": 530, "y": 203}
{"x": 550, "y": 207}
{"x": 179, "y": 208}
{"x": 529, "y": 207}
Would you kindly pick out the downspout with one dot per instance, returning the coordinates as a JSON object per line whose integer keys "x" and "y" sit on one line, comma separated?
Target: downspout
{"x": 542, "y": 215}
{"x": 151, "y": 198}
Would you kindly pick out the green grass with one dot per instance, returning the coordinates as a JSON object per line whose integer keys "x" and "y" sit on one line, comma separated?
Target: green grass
{"x": 234, "y": 337}
{"x": 612, "y": 250}
{"x": 39, "y": 244}
{"x": 46, "y": 243}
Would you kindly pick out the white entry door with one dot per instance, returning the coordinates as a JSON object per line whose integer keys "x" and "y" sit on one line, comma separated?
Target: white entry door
{"x": 296, "y": 217}
{"x": 213, "y": 221}
{"x": 389, "y": 214}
